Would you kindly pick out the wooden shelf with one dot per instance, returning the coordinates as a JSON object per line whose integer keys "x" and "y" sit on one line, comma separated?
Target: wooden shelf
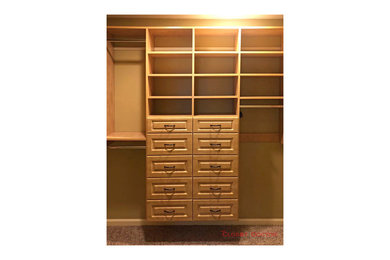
{"x": 158, "y": 53}
{"x": 170, "y": 75}
{"x": 216, "y": 53}
{"x": 262, "y": 53}
{"x": 170, "y": 97}
{"x": 214, "y": 97}
{"x": 261, "y": 74}
{"x": 261, "y": 97}
{"x": 126, "y": 136}
{"x": 216, "y": 75}
{"x": 261, "y": 106}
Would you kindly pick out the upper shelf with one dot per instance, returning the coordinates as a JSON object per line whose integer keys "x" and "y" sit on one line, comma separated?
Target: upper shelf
{"x": 216, "y": 39}
{"x": 126, "y": 136}
{"x": 170, "y": 39}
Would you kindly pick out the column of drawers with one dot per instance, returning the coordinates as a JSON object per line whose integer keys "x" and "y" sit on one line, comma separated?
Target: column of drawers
{"x": 215, "y": 168}
{"x": 169, "y": 169}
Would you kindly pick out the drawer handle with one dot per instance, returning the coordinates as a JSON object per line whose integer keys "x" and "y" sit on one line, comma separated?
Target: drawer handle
{"x": 169, "y": 128}
{"x": 217, "y": 145}
{"x": 169, "y": 189}
{"x": 169, "y": 167}
{"x": 169, "y": 211}
{"x": 215, "y": 188}
{"x": 215, "y": 166}
{"x": 215, "y": 210}
{"x": 214, "y": 126}
{"x": 172, "y": 146}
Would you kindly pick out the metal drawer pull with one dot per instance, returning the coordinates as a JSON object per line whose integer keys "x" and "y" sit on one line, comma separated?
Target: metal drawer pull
{"x": 216, "y": 126}
{"x": 215, "y": 188}
{"x": 169, "y": 146}
{"x": 169, "y": 126}
{"x": 218, "y": 145}
{"x": 169, "y": 211}
{"x": 169, "y": 189}
{"x": 215, "y": 210}
{"x": 215, "y": 166}
{"x": 169, "y": 167}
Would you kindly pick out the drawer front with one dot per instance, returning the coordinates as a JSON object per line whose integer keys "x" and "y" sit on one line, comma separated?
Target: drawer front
{"x": 172, "y": 210}
{"x": 224, "y": 209}
{"x": 168, "y": 188}
{"x": 215, "y": 187}
{"x": 216, "y": 143}
{"x": 163, "y": 125}
{"x": 216, "y": 125}
{"x": 215, "y": 165}
{"x": 169, "y": 166}
{"x": 168, "y": 144}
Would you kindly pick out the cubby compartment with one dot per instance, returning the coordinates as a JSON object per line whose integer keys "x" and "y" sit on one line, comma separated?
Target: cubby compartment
{"x": 170, "y": 106}
{"x": 170, "y": 64}
{"x": 215, "y": 86}
{"x": 223, "y": 106}
{"x": 216, "y": 39}
{"x": 216, "y": 63}
{"x": 170, "y": 86}
{"x": 262, "y": 102}
{"x": 261, "y": 86}
{"x": 264, "y": 39}
{"x": 260, "y": 121}
{"x": 261, "y": 63}
{"x": 170, "y": 39}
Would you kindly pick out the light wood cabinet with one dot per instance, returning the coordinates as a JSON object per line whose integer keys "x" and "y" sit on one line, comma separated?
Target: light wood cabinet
{"x": 216, "y": 125}
{"x": 226, "y": 209}
{"x": 172, "y": 188}
{"x": 168, "y": 144}
{"x": 198, "y": 80}
{"x": 215, "y": 187}
{"x": 169, "y": 210}
{"x": 212, "y": 143}
{"x": 165, "y": 125}
{"x": 169, "y": 166}
{"x": 215, "y": 165}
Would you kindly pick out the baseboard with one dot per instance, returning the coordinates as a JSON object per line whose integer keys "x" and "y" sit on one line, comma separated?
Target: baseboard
{"x": 243, "y": 221}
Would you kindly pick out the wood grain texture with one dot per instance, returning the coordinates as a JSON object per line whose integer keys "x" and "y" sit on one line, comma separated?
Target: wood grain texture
{"x": 215, "y": 143}
{"x": 110, "y": 90}
{"x": 224, "y": 209}
{"x": 168, "y": 188}
{"x": 168, "y": 144}
{"x": 169, "y": 210}
{"x": 216, "y": 125}
{"x": 169, "y": 125}
{"x": 169, "y": 166}
{"x": 215, "y": 188}
{"x": 215, "y": 165}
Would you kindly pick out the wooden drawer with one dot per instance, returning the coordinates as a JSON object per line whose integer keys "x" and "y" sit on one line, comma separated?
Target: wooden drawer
{"x": 169, "y": 166}
{"x": 168, "y": 188}
{"x": 169, "y": 210}
{"x": 216, "y": 143}
{"x": 168, "y": 144}
{"x": 215, "y": 187}
{"x": 216, "y": 125}
{"x": 164, "y": 125}
{"x": 215, "y": 165}
{"x": 224, "y": 209}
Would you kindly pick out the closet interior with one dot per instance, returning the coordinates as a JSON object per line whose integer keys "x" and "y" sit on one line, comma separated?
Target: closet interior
{"x": 204, "y": 90}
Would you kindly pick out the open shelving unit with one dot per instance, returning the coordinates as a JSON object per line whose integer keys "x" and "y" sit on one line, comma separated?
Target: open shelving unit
{"x": 204, "y": 72}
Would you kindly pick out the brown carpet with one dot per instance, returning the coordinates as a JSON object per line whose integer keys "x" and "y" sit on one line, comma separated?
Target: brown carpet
{"x": 195, "y": 235}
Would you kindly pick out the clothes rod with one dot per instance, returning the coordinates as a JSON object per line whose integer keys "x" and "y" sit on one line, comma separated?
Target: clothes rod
{"x": 127, "y": 147}
{"x": 261, "y": 106}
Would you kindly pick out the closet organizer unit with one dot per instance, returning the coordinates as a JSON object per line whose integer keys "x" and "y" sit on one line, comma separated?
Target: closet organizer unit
{"x": 197, "y": 80}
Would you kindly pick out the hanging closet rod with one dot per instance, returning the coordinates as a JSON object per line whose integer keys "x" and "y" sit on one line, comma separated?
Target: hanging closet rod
{"x": 261, "y": 106}
{"x": 127, "y": 147}
{"x": 129, "y": 40}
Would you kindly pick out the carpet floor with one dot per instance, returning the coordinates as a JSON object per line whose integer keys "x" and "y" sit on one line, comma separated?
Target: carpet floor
{"x": 195, "y": 235}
